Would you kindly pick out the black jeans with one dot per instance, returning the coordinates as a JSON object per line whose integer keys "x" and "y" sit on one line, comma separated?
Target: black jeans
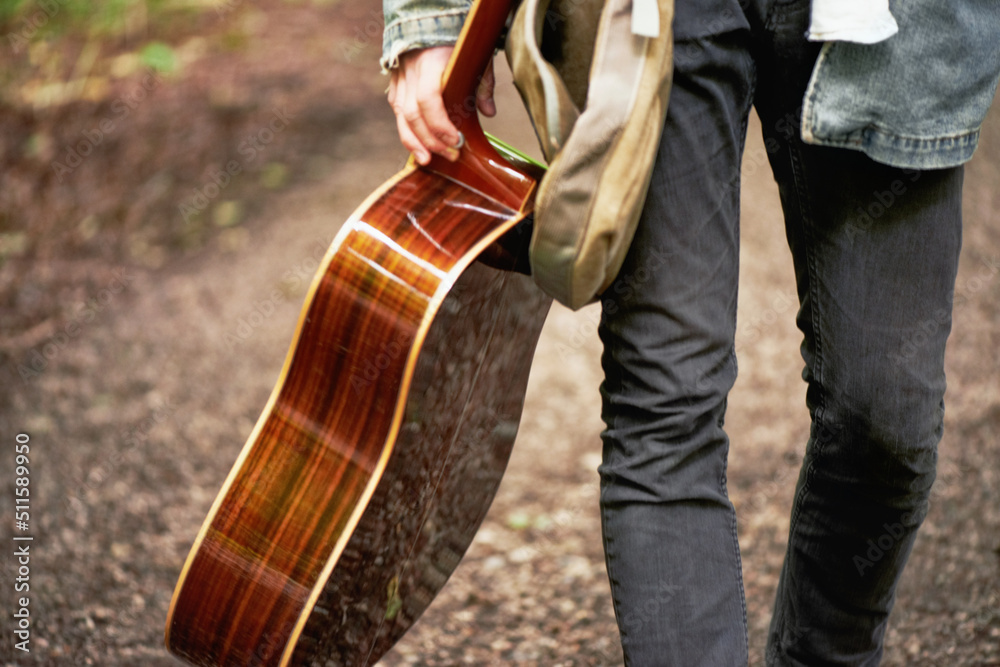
{"x": 875, "y": 251}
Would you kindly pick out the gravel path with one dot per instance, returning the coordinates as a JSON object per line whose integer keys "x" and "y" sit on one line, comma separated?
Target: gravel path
{"x": 136, "y": 419}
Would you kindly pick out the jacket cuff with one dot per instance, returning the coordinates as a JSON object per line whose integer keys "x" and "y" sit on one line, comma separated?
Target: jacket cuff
{"x": 407, "y": 34}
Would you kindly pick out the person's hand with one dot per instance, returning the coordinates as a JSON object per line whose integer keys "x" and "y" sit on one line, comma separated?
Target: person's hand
{"x": 415, "y": 95}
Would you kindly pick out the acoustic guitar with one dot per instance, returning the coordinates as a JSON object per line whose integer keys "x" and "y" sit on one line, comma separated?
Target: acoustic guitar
{"x": 384, "y": 441}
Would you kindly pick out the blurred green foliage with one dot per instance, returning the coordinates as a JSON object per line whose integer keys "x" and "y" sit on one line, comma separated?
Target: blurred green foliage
{"x": 159, "y": 56}
{"x": 30, "y": 19}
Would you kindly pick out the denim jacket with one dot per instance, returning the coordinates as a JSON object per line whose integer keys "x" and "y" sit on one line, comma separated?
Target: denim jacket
{"x": 915, "y": 100}
{"x": 418, "y": 24}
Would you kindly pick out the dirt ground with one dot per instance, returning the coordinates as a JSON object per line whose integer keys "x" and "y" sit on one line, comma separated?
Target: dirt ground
{"x": 147, "y": 307}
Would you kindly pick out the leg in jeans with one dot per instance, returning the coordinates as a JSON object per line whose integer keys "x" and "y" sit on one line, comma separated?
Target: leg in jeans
{"x": 876, "y": 253}
{"x": 668, "y": 329}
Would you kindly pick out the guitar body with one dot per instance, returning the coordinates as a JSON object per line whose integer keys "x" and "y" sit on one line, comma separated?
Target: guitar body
{"x": 386, "y": 437}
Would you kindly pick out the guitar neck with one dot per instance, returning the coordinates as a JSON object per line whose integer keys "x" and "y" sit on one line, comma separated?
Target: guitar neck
{"x": 479, "y": 166}
{"x": 472, "y": 54}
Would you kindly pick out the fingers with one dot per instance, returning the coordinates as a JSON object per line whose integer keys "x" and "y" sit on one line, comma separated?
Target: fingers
{"x": 431, "y": 113}
{"x": 415, "y": 95}
{"x": 397, "y": 93}
{"x": 484, "y": 93}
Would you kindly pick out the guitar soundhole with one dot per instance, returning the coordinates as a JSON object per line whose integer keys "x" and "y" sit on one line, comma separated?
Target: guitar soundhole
{"x": 453, "y": 446}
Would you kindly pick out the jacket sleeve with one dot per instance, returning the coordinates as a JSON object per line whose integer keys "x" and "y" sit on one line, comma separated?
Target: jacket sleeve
{"x": 417, "y": 24}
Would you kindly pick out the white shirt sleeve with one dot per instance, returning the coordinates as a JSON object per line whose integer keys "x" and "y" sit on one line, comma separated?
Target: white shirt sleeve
{"x": 862, "y": 21}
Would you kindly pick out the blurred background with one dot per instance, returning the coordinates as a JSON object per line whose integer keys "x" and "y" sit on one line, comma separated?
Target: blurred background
{"x": 171, "y": 173}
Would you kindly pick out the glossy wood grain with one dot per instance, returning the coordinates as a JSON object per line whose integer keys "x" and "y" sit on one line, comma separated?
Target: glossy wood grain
{"x": 449, "y": 456}
{"x": 383, "y": 444}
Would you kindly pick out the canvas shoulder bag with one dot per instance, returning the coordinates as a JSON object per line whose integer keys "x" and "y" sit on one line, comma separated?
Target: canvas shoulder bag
{"x": 595, "y": 78}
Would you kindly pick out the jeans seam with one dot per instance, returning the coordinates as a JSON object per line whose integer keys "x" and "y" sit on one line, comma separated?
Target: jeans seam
{"x": 734, "y": 523}
{"x": 739, "y": 570}
{"x": 808, "y": 230}
{"x": 613, "y": 583}
{"x": 609, "y": 540}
